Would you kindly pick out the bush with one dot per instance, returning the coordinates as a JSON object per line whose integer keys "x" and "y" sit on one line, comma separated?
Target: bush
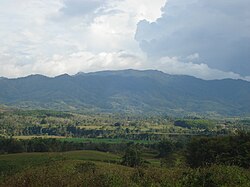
{"x": 132, "y": 157}
{"x": 230, "y": 150}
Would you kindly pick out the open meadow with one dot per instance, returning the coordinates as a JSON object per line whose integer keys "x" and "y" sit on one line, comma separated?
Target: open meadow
{"x": 93, "y": 168}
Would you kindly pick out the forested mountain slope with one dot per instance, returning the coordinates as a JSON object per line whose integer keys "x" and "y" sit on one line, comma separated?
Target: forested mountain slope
{"x": 128, "y": 91}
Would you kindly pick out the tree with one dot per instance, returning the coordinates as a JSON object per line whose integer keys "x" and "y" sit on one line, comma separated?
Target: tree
{"x": 229, "y": 150}
{"x": 165, "y": 148}
{"x": 132, "y": 157}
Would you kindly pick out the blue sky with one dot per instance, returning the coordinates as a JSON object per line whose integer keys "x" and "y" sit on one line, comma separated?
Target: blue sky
{"x": 206, "y": 39}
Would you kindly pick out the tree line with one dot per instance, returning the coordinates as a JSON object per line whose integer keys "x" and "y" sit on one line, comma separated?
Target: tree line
{"x": 198, "y": 152}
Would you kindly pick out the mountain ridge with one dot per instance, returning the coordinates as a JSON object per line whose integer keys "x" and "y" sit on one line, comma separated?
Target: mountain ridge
{"x": 117, "y": 71}
{"x": 136, "y": 91}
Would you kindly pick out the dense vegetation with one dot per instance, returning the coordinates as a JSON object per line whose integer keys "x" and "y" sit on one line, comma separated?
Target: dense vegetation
{"x": 199, "y": 152}
{"x": 48, "y": 148}
{"x": 90, "y": 168}
{"x": 128, "y": 91}
{"x": 230, "y": 150}
{"x": 12, "y": 145}
{"x": 20, "y": 123}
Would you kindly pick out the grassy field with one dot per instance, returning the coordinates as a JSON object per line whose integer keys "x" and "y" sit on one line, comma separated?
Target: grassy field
{"x": 14, "y": 163}
{"x": 30, "y": 137}
{"x": 99, "y": 169}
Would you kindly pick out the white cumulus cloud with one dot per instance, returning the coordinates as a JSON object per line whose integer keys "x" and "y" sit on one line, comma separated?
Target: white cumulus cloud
{"x": 175, "y": 36}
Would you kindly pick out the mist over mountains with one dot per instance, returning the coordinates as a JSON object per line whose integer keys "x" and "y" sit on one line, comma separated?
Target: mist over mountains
{"x": 131, "y": 91}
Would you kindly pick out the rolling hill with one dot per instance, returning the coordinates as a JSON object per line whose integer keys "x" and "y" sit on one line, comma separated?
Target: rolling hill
{"x": 133, "y": 91}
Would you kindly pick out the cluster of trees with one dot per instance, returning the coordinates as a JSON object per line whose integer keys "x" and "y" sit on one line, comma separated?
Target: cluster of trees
{"x": 228, "y": 150}
{"x": 11, "y": 145}
{"x": 19, "y": 123}
{"x": 132, "y": 157}
{"x": 199, "y": 152}
{"x": 70, "y": 130}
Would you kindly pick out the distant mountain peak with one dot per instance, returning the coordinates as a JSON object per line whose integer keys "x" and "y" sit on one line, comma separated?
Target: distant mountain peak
{"x": 79, "y": 74}
{"x": 65, "y": 75}
{"x": 106, "y": 72}
{"x": 126, "y": 73}
{"x": 128, "y": 90}
{"x": 34, "y": 76}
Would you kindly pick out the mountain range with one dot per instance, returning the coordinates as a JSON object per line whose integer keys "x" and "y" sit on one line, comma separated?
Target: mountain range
{"x": 132, "y": 91}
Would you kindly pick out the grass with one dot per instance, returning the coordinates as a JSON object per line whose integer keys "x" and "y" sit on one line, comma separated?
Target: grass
{"x": 91, "y": 156}
{"x": 36, "y": 136}
{"x": 36, "y": 158}
{"x": 13, "y": 163}
{"x": 72, "y": 169}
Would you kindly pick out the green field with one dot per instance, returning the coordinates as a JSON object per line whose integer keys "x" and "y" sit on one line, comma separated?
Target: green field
{"x": 38, "y": 148}
{"x": 12, "y": 165}
{"x": 93, "y": 168}
{"x": 110, "y": 128}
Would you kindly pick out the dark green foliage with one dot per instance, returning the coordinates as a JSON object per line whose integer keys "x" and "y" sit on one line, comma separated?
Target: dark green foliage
{"x": 215, "y": 176}
{"x": 43, "y": 121}
{"x": 169, "y": 153}
{"x": 132, "y": 157}
{"x": 230, "y": 150}
{"x": 165, "y": 148}
{"x": 11, "y": 145}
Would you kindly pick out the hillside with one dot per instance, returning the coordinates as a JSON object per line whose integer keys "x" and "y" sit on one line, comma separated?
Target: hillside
{"x": 94, "y": 168}
{"x": 128, "y": 91}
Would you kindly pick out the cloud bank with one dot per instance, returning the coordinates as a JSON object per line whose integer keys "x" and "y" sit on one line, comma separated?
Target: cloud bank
{"x": 218, "y": 31}
{"x": 209, "y": 40}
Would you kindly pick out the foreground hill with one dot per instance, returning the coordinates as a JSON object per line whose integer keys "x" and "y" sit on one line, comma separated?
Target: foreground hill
{"x": 93, "y": 168}
{"x": 128, "y": 91}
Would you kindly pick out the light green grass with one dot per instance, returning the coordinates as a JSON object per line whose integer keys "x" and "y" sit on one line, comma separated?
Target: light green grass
{"x": 13, "y": 163}
{"x": 36, "y": 136}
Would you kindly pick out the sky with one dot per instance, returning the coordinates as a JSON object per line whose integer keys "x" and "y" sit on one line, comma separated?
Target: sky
{"x": 205, "y": 39}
